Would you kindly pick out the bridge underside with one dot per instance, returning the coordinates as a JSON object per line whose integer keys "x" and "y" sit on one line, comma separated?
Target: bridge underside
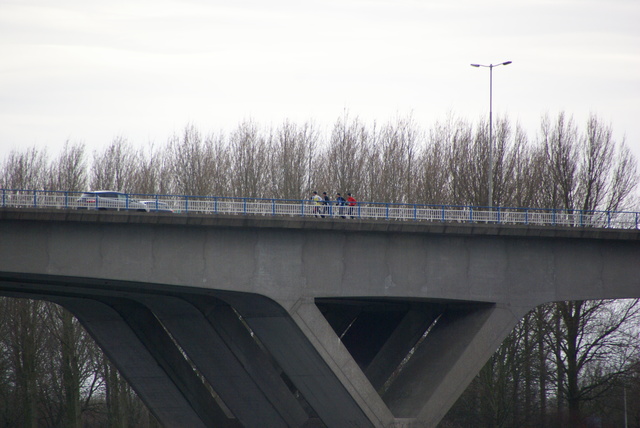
{"x": 218, "y": 358}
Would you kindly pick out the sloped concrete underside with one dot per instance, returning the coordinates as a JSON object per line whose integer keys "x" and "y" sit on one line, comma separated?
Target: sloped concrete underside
{"x": 236, "y": 359}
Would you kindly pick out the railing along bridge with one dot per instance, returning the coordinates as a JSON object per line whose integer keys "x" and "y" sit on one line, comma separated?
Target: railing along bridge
{"x": 307, "y": 208}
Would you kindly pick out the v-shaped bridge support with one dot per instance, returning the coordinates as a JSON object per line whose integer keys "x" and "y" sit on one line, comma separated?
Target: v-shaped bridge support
{"x": 413, "y": 359}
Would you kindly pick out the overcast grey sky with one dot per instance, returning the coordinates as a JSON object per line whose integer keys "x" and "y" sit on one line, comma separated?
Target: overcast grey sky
{"x": 89, "y": 71}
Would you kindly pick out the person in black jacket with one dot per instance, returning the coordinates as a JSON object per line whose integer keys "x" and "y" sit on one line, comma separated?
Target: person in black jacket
{"x": 326, "y": 203}
{"x": 340, "y": 202}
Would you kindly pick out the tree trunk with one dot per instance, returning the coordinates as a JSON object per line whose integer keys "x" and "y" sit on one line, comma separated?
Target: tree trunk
{"x": 70, "y": 372}
{"x": 542, "y": 361}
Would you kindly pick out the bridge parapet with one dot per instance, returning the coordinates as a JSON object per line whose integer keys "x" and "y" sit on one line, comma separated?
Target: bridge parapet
{"x": 218, "y": 205}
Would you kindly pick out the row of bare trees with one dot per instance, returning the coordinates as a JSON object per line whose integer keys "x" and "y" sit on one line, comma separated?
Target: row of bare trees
{"x": 566, "y": 362}
{"x": 52, "y": 374}
{"x": 563, "y": 166}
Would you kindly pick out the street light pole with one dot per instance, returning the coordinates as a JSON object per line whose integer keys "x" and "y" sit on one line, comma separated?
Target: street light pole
{"x": 490, "y": 66}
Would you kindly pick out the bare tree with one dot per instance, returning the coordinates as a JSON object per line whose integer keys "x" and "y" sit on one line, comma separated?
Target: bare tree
{"x": 196, "y": 166}
{"x": 249, "y": 154}
{"x": 72, "y": 360}
{"x": 222, "y": 165}
{"x": 343, "y": 167}
{"x": 559, "y": 145}
{"x": 596, "y": 341}
{"x": 467, "y": 166}
{"x": 624, "y": 181}
{"x": 25, "y": 170}
{"x": 69, "y": 171}
{"x": 289, "y": 159}
{"x": 24, "y": 344}
{"x": 115, "y": 167}
{"x": 396, "y": 163}
{"x": 596, "y": 164}
{"x": 434, "y": 178}
{"x": 147, "y": 174}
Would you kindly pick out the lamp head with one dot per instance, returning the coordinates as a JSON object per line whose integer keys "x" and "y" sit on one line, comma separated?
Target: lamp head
{"x": 475, "y": 65}
{"x": 507, "y": 62}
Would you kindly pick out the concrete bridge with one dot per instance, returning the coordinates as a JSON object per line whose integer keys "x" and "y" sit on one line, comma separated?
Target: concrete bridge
{"x": 302, "y": 322}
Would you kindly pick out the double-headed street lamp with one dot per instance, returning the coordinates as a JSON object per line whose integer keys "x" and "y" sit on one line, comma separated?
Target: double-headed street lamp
{"x": 490, "y": 66}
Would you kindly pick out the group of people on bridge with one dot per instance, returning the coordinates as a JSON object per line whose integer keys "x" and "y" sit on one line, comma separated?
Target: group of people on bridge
{"x": 322, "y": 205}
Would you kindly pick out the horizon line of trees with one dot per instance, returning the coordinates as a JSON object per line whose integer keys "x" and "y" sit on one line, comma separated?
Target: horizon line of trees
{"x": 562, "y": 166}
{"x": 567, "y": 364}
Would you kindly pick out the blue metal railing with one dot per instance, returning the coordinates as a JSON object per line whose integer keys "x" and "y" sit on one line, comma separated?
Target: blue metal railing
{"x": 304, "y": 208}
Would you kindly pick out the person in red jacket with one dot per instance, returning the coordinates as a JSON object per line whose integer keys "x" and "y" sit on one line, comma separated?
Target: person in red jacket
{"x": 351, "y": 202}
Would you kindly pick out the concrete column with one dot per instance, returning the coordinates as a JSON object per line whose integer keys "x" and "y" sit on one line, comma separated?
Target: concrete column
{"x": 228, "y": 376}
{"x": 410, "y": 330}
{"x": 313, "y": 371}
{"x": 140, "y": 367}
{"x": 459, "y": 344}
{"x": 321, "y": 335}
{"x": 253, "y": 358}
{"x": 154, "y": 337}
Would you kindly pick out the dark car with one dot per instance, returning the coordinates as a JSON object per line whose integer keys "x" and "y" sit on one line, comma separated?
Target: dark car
{"x": 109, "y": 200}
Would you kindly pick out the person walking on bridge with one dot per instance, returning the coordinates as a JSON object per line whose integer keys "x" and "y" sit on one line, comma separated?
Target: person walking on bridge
{"x": 340, "y": 202}
{"x": 316, "y": 200}
{"x": 326, "y": 202}
{"x": 351, "y": 201}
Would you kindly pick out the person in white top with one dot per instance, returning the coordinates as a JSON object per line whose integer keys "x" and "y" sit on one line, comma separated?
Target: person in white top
{"x": 317, "y": 201}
